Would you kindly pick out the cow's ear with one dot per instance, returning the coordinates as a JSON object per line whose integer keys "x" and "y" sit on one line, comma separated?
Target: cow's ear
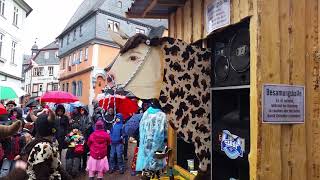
{"x": 119, "y": 38}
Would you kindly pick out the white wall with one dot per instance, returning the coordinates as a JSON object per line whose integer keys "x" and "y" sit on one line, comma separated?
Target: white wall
{"x": 11, "y": 33}
{"x": 43, "y": 79}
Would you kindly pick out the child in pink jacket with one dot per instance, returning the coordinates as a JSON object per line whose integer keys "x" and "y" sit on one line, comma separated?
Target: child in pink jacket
{"x": 98, "y": 143}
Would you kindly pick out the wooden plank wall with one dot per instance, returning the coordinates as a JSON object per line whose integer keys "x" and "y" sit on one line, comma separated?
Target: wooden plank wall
{"x": 284, "y": 37}
{"x": 187, "y": 23}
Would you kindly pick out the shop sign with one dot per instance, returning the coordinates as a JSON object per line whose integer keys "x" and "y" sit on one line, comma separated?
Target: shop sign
{"x": 232, "y": 145}
{"x": 283, "y": 104}
{"x": 217, "y": 14}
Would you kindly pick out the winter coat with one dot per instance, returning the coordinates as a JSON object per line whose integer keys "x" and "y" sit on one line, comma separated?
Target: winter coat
{"x": 85, "y": 124}
{"x": 116, "y": 131}
{"x": 62, "y": 128}
{"x": 98, "y": 143}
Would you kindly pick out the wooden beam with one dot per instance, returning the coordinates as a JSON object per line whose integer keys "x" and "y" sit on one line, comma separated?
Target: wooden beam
{"x": 170, "y": 3}
{"x": 148, "y": 15}
{"x": 149, "y": 7}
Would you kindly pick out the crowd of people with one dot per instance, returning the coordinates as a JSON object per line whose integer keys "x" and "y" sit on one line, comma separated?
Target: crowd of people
{"x": 94, "y": 144}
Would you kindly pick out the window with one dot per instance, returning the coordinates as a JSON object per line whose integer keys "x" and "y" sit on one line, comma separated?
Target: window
{"x": 69, "y": 63}
{"x": 57, "y": 54}
{"x": 2, "y": 5}
{"x": 74, "y": 88}
{"x": 15, "y": 16}
{"x": 141, "y": 31}
{"x": 74, "y": 34}
{"x": 38, "y": 71}
{"x": 119, "y": 4}
{"x": 50, "y": 69}
{"x": 13, "y": 51}
{"x": 40, "y": 87}
{"x": 63, "y": 62}
{"x": 74, "y": 59}
{"x": 68, "y": 39}
{"x": 86, "y": 54}
{"x": 80, "y": 30}
{"x": 61, "y": 43}
{"x": 55, "y": 87}
{"x": 62, "y": 87}
{"x": 79, "y": 90}
{"x": 35, "y": 88}
{"x": 70, "y": 60}
{"x": 113, "y": 25}
{"x": 80, "y": 56}
{"x": 49, "y": 87}
{"x": 67, "y": 87}
{"x": 46, "y": 55}
{"x": 1, "y": 42}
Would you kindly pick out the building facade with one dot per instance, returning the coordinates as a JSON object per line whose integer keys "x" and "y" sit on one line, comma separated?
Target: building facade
{"x": 86, "y": 48}
{"x": 12, "y": 17}
{"x": 42, "y": 72}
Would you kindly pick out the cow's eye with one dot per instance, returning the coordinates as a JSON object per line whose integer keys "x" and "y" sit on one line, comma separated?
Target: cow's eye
{"x": 133, "y": 58}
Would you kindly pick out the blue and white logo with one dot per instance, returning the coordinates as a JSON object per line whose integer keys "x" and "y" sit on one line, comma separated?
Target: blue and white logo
{"x": 232, "y": 145}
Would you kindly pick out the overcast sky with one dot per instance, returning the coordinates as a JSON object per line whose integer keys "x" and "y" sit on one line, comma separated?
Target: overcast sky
{"x": 46, "y": 21}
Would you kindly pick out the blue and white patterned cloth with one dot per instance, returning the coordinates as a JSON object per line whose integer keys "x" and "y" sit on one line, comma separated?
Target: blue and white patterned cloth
{"x": 153, "y": 132}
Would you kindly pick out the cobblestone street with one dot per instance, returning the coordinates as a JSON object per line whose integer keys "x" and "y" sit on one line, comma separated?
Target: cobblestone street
{"x": 117, "y": 175}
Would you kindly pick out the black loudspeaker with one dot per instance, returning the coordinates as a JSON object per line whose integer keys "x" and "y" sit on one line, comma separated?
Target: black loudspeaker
{"x": 231, "y": 59}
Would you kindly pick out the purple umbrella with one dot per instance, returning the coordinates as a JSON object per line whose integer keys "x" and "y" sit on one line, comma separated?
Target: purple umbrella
{"x": 132, "y": 124}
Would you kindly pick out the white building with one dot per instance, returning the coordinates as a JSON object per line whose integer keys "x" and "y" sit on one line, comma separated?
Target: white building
{"x": 42, "y": 73}
{"x": 12, "y": 17}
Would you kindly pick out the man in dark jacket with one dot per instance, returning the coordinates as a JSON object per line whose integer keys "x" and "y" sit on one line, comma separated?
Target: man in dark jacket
{"x": 62, "y": 126}
{"x": 86, "y": 129}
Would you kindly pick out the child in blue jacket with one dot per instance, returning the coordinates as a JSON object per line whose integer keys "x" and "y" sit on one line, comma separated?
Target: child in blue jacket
{"x": 117, "y": 144}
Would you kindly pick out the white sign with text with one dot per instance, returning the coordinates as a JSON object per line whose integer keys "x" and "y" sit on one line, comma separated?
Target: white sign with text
{"x": 283, "y": 104}
{"x": 217, "y": 14}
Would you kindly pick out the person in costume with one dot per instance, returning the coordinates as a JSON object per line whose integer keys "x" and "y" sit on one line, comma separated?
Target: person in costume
{"x": 40, "y": 158}
{"x": 153, "y": 137}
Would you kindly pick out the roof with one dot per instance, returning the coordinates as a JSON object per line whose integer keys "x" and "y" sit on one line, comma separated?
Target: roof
{"x": 85, "y": 8}
{"x": 157, "y": 32}
{"x": 26, "y": 59}
{"x": 53, "y": 45}
{"x": 153, "y": 8}
{"x": 25, "y": 6}
{"x": 40, "y": 59}
{"x": 89, "y": 7}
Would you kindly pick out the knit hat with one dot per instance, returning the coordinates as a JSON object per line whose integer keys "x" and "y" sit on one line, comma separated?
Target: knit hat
{"x": 119, "y": 116}
{"x": 11, "y": 102}
{"x": 43, "y": 126}
{"x": 99, "y": 125}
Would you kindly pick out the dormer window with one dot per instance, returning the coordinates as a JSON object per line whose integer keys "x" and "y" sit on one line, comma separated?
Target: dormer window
{"x": 113, "y": 25}
{"x": 74, "y": 34}
{"x": 119, "y": 4}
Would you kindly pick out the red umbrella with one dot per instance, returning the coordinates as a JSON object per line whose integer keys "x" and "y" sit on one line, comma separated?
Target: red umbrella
{"x": 58, "y": 97}
{"x": 2, "y": 109}
{"x": 124, "y": 105}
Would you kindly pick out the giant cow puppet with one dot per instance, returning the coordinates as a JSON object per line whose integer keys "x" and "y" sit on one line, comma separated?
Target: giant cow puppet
{"x": 6, "y": 131}
{"x": 176, "y": 73}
